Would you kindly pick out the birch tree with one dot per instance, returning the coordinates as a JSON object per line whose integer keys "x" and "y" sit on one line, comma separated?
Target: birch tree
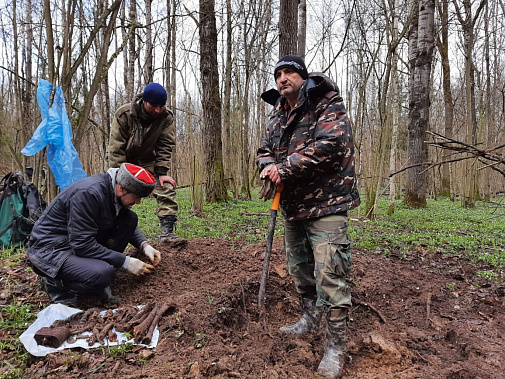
{"x": 468, "y": 21}
{"x": 443, "y": 49}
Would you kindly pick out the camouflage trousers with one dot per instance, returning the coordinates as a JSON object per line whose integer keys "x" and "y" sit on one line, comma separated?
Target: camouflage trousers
{"x": 318, "y": 257}
{"x": 165, "y": 197}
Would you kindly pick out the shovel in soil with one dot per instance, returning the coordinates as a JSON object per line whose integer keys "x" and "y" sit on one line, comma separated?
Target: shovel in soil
{"x": 268, "y": 250}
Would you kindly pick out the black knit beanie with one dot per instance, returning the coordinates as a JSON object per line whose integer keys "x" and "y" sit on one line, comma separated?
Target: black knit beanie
{"x": 294, "y": 62}
{"x": 135, "y": 179}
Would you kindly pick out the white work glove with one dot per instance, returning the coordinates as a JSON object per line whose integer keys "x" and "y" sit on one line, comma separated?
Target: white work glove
{"x": 153, "y": 254}
{"x": 136, "y": 266}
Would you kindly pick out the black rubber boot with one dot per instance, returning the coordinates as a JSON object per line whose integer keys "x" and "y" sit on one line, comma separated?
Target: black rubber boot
{"x": 58, "y": 293}
{"x": 109, "y": 297}
{"x": 333, "y": 360}
{"x": 167, "y": 235}
{"x": 311, "y": 317}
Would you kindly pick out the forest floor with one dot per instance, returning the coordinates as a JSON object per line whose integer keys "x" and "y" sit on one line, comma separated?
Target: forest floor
{"x": 418, "y": 315}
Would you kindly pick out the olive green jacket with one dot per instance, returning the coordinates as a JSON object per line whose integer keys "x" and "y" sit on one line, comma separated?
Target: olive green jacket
{"x": 136, "y": 138}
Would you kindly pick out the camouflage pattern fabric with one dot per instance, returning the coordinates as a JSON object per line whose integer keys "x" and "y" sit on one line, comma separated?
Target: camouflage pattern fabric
{"x": 334, "y": 350}
{"x": 136, "y": 139}
{"x": 146, "y": 143}
{"x": 313, "y": 148}
{"x": 318, "y": 259}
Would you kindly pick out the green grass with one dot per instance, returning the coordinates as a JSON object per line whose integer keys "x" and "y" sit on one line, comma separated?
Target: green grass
{"x": 226, "y": 220}
{"x": 14, "y": 318}
{"x": 443, "y": 227}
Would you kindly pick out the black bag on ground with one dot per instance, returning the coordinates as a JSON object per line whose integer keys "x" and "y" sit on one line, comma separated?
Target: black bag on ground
{"x": 20, "y": 207}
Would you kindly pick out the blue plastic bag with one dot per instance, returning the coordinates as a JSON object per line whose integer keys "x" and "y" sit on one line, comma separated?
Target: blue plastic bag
{"x": 55, "y": 132}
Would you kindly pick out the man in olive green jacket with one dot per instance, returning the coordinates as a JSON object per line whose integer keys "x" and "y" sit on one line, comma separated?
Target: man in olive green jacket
{"x": 143, "y": 133}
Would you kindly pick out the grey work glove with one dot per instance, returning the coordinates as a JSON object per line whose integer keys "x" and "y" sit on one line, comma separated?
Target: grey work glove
{"x": 267, "y": 191}
{"x": 136, "y": 266}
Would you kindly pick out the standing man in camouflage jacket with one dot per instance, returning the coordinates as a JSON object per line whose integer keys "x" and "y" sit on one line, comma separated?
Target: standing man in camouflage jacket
{"x": 309, "y": 150}
{"x": 143, "y": 133}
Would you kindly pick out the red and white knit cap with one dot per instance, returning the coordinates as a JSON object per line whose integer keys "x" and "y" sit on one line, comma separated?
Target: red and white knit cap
{"x": 135, "y": 179}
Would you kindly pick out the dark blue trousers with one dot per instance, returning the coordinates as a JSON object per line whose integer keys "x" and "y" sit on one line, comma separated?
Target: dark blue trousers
{"x": 88, "y": 275}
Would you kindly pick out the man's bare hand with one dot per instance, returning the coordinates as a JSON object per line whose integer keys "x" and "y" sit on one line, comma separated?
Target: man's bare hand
{"x": 271, "y": 172}
{"x": 166, "y": 179}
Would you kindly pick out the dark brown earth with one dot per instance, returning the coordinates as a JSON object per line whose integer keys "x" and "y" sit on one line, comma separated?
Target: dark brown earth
{"x": 418, "y": 315}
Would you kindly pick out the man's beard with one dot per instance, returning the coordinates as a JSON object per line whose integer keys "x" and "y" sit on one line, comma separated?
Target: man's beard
{"x": 120, "y": 201}
{"x": 148, "y": 116}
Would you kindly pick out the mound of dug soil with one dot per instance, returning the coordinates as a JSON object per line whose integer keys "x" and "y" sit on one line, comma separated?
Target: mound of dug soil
{"x": 415, "y": 316}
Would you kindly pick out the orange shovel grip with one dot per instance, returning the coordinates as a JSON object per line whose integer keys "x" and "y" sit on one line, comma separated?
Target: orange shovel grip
{"x": 277, "y": 199}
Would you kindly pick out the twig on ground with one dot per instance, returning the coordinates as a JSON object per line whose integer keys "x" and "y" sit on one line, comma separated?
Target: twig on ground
{"x": 372, "y": 308}
{"x": 428, "y": 307}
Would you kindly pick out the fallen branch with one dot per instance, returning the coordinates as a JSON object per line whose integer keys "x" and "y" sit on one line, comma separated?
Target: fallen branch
{"x": 255, "y": 214}
{"x": 372, "y": 308}
{"x": 428, "y": 307}
{"x": 489, "y": 157}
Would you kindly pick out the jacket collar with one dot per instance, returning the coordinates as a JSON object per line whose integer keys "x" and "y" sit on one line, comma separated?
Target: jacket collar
{"x": 314, "y": 87}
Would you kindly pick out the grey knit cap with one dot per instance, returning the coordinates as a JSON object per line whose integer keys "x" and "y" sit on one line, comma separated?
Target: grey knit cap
{"x": 135, "y": 179}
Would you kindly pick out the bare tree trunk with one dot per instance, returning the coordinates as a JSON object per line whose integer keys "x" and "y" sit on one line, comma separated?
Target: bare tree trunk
{"x": 487, "y": 106}
{"x": 302, "y": 28}
{"x": 173, "y": 81}
{"x": 51, "y": 185}
{"x": 394, "y": 105}
{"x": 168, "y": 56}
{"x": 132, "y": 54}
{"x": 100, "y": 70}
{"x": 172, "y": 88}
{"x": 211, "y": 104}
{"x": 105, "y": 111}
{"x": 227, "y": 91}
{"x": 20, "y": 121}
{"x": 467, "y": 21}
{"x": 50, "y": 41}
{"x": 288, "y": 27}
{"x": 28, "y": 106}
{"x": 443, "y": 49}
{"x": 126, "y": 61}
{"x": 421, "y": 44}
{"x": 148, "y": 70}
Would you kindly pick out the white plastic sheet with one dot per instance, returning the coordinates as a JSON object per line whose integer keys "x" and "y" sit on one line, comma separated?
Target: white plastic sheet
{"x": 54, "y": 312}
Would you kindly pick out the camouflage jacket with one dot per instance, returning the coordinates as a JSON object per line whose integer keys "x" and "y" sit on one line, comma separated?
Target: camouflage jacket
{"x": 313, "y": 149}
{"x": 138, "y": 139}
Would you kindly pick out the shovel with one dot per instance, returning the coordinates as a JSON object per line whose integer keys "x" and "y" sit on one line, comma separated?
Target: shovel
{"x": 268, "y": 250}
